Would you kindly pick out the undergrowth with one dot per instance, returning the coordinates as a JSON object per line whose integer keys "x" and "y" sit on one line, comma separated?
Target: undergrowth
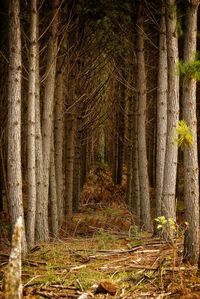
{"x": 104, "y": 244}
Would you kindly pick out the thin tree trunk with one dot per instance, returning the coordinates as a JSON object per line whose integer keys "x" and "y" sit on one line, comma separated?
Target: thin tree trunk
{"x": 59, "y": 140}
{"x": 39, "y": 221}
{"x": 129, "y": 160}
{"x": 47, "y": 117}
{"x": 53, "y": 194}
{"x": 170, "y": 168}
{"x": 121, "y": 131}
{"x": 191, "y": 169}
{"x": 145, "y": 216}
{"x": 31, "y": 128}
{"x": 77, "y": 166}
{"x": 70, "y": 153}
{"x": 161, "y": 113}
{"x": 115, "y": 151}
{"x": 14, "y": 119}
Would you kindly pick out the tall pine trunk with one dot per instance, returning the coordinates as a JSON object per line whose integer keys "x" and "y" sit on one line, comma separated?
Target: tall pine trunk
{"x": 39, "y": 221}
{"x": 31, "y": 128}
{"x": 191, "y": 170}
{"x": 70, "y": 153}
{"x": 170, "y": 168}
{"x": 161, "y": 113}
{"x": 14, "y": 118}
{"x": 53, "y": 193}
{"x": 121, "y": 130}
{"x": 47, "y": 116}
{"x": 59, "y": 138}
{"x": 145, "y": 217}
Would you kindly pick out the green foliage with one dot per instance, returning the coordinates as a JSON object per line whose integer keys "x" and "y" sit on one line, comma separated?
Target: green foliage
{"x": 185, "y": 137}
{"x": 190, "y": 70}
{"x": 166, "y": 226}
{"x": 169, "y": 228}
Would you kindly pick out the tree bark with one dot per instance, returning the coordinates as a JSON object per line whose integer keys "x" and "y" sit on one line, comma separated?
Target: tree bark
{"x": 129, "y": 160}
{"x": 161, "y": 113}
{"x": 14, "y": 119}
{"x": 121, "y": 131}
{"x": 47, "y": 116}
{"x": 59, "y": 138}
{"x": 70, "y": 153}
{"x": 191, "y": 169}
{"x": 39, "y": 221}
{"x": 12, "y": 280}
{"x": 170, "y": 168}
{"x": 53, "y": 194}
{"x": 31, "y": 128}
{"x": 77, "y": 165}
{"x": 145, "y": 217}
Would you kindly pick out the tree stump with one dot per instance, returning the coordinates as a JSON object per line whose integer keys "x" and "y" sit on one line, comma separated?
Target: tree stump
{"x": 12, "y": 279}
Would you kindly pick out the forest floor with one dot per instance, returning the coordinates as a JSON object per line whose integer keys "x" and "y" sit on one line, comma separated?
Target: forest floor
{"x": 103, "y": 254}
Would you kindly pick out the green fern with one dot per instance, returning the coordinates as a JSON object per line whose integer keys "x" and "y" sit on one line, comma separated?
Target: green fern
{"x": 185, "y": 137}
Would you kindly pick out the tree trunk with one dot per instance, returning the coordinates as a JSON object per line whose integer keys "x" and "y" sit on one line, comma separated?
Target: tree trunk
{"x": 161, "y": 113}
{"x": 12, "y": 280}
{"x": 145, "y": 217}
{"x": 191, "y": 170}
{"x": 31, "y": 128}
{"x": 39, "y": 221}
{"x": 77, "y": 166}
{"x": 53, "y": 194}
{"x": 47, "y": 117}
{"x": 129, "y": 160}
{"x": 170, "y": 167}
{"x": 121, "y": 131}
{"x": 59, "y": 139}
{"x": 14, "y": 119}
{"x": 70, "y": 153}
{"x": 115, "y": 151}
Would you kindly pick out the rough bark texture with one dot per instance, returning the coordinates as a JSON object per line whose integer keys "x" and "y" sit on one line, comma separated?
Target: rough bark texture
{"x": 70, "y": 152}
{"x": 47, "y": 116}
{"x": 14, "y": 118}
{"x": 169, "y": 181}
{"x": 39, "y": 221}
{"x": 59, "y": 140}
{"x": 129, "y": 159}
{"x": 191, "y": 170}
{"x": 115, "y": 151}
{"x": 77, "y": 166}
{"x": 53, "y": 194}
{"x": 145, "y": 217}
{"x": 161, "y": 113}
{"x": 121, "y": 130}
{"x": 12, "y": 280}
{"x": 31, "y": 128}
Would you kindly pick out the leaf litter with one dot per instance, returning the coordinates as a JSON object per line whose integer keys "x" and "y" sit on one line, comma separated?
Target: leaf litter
{"x": 103, "y": 254}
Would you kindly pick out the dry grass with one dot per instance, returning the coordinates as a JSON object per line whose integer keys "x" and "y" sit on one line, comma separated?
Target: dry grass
{"x": 103, "y": 246}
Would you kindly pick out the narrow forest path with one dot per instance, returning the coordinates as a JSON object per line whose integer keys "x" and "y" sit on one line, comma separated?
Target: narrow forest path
{"x": 104, "y": 255}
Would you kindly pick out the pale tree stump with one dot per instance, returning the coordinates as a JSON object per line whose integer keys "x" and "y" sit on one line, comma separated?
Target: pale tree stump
{"x": 12, "y": 280}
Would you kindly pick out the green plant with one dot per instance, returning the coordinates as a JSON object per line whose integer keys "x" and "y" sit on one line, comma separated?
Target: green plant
{"x": 167, "y": 227}
{"x": 134, "y": 231}
{"x": 189, "y": 69}
{"x": 185, "y": 137}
